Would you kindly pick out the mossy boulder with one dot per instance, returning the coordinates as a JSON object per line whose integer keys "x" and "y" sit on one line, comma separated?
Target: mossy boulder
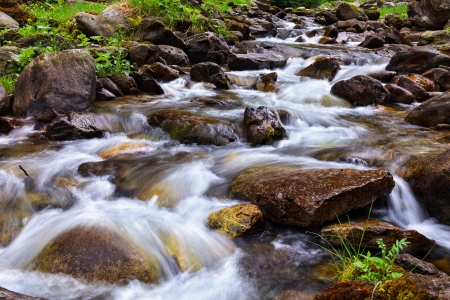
{"x": 152, "y": 30}
{"x": 191, "y": 128}
{"x": 262, "y": 126}
{"x": 310, "y": 197}
{"x": 237, "y": 220}
{"x": 347, "y": 11}
{"x": 95, "y": 254}
{"x": 105, "y": 24}
{"x": 322, "y": 68}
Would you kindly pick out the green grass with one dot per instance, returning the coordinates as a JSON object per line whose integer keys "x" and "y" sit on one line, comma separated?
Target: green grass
{"x": 9, "y": 83}
{"x": 399, "y": 10}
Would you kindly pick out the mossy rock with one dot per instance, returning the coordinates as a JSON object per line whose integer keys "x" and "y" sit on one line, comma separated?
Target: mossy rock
{"x": 95, "y": 254}
{"x": 11, "y": 224}
{"x": 237, "y": 220}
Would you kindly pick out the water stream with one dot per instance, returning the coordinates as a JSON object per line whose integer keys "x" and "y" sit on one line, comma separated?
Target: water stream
{"x": 182, "y": 184}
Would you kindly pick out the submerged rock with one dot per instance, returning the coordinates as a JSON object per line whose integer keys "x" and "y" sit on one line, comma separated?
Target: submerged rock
{"x": 95, "y": 254}
{"x": 262, "y": 126}
{"x": 310, "y": 197}
{"x": 429, "y": 178}
{"x": 58, "y": 82}
{"x": 74, "y": 126}
{"x": 431, "y": 113}
{"x": 210, "y": 72}
{"x": 237, "y": 220}
{"x": 266, "y": 82}
{"x": 366, "y": 233}
{"x": 361, "y": 90}
{"x": 322, "y": 68}
{"x": 190, "y": 128}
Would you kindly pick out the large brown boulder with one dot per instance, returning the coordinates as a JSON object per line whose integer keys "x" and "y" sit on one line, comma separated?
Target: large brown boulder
{"x": 255, "y": 61}
{"x": 106, "y": 24}
{"x": 59, "y": 82}
{"x": 440, "y": 76}
{"x": 7, "y": 124}
{"x": 190, "y": 128}
{"x": 262, "y": 126}
{"x": 126, "y": 84}
{"x": 366, "y": 233}
{"x": 373, "y": 40}
{"x": 151, "y": 30}
{"x": 399, "y": 94}
{"x": 429, "y": 178}
{"x": 322, "y": 68}
{"x": 74, "y": 126}
{"x": 432, "y": 112}
{"x": 10, "y": 295}
{"x": 160, "y": 71}
{"x": 416, "y": 89}
{"x": 206, "y": 47}
{"x": 346, "y": 11}
{"x": 427, "y": 84}
{"x": 5, "y": 103}
{"x": 430, "y": 14}
{"x": 146, "y": 83}
{"x": 143, "y": 54}
{"x": 95, "y": 253}
{"x": 310, "y": 197}
{"x": 361, "y": 90}
{"x": 417, "y": 61}
{"x": 173, "y": 55}
{"x": 237, "y": 220}
{"x": 210, "y": 72}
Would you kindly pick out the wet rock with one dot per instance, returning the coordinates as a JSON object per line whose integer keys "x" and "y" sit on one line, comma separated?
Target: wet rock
{"x": 210, "y": 72}
{"x": 267, "y": 82}
{"x": 154, "y": 31}
{"x": 358, "y": 26}
{"x": 116, "y": 259}
{"x": 330, "y": 31}
{"x": 262, "y": 126}
{"x": 417, "y": 61}
{"x": 189, "y": 128}
{"x": 429, "y": 14}
{"x": 373, "y": 40}
{"x": 361, "y": 90}
{"x": 74, "y": 126}
{"x": 427, "y": 84}
{"x": 330, "y": 17}
{"x": 126, "y": 84}
{"x": 143, "y": 54}
{"x": 322, "y": 68}
{"x": 346, "y": 11}
{"x": 295, "y": 295}
{"x": 7, "y": 124}
{"x": 11, "y": 224}
{"x": 300, "y": 39}
{"x": 146, "y": 83}
{"x": 439, "y": 76}
{"x": 383, "y": 76}
{"x": 399, "y": 94}
{"x": 117, "y": 169}
{"x": 111, "y": 86}
{"x": 412, "y": 264}
{"x": 215, "y": 102}
{"x": 10, "y": 295}
{"x": 116, "y": 151}
{"x": 263, "y": 29}
{"x": 58, "y": 82}
{"x": 372, "y": 14}
{"x": 393, "y": 36}
{"x": 5, "y": 103}
{"x": 310, "y": 197}
{"x": 104, "y": 95}
{"x": 105, "y": 24}
{"x": 206, "y": 47}
{"x": 367, "y": 233}
{"x": 255, "y": 61}
{"x": 173, "y": 55}
{"x": 407, "y": 83}
{"x": 429, "y": 178}
{"x": 436, "y": 286}
{"x": 263, "y": 5}
{"x": 432, "y": 112}
{"x": 237, "y": 220}
{"x": 327, "y": 40}
{"x": 9, "y": 60}
{"x": 160, "y": 71}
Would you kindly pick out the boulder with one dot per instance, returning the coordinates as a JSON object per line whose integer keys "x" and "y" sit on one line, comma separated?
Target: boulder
{"x": 412, "y": 264}
{"x": 5, "y": 103}
{"x": 14, "y": 9}
{"x": 310, "y": 197}
{"x": 10, "y": 295}
{"x": 190, "y": 128}
{"x": 383, "y": 76}
{"x": 429, "y": 14}
{"x": 58, "y": 82}
{"x": 322, "y": 68}
{"x": 267, "y": 82}
{"x": 330, "y": 17}
{"x": 330, "y": 31}
{"x": 143, "y": 54}
{"x": 346, "y": 11}
{"x": 210, "y": 72}
{"x": 111, "y": 86}
{"x": 366, "y": 233}
{"x": 429, "y": 179}
{"x": 359, "y": 26}
{"x": 437, "y": 286}
{"x": 7, "y": 124}
{"x": 74, "y": 126}
{"x": 241, "y": 27}
{"x": 393, "y": 36}
{"x": 7, "y": 22}
{"x": 206, "y": 47}
{"x": 255, "y": 61}
{"x": 262, "y": 126}
{"x": 440, "y": 76}
{"x": 417, "y": 61}
{"x": 373, "y": 40}
{"x": 173, "y": 55}
{"x": 407, "y": 83}
{"x": 263, "y": 5}
{"x": 237, "y": 220}
{"x": 399, "y": 94}
{"x": 125, "y": 84}
{"x": 146, "y": 83}
{"x": 263, "y": 29}
{"x": 9, "y": 59}
{"x": 95, "y": 253}
{"x": 104, "y": 95}
{"x": 372, "y": 14}
{"x": 151, "y": 30}
{"x": 160, "y": 71}
{"x": 106, "y": 24}
{"x": 431, "y": 113}
{"x": 427, "y": 84}
{"x": 361, "y": 90}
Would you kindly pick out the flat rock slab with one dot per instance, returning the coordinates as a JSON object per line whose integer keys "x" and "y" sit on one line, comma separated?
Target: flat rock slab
{"x": 310, "y": 197}
{"x": 10, "y": 295}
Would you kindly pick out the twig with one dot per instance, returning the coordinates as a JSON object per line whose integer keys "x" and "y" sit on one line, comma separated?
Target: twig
{"x": 24, "y": 170}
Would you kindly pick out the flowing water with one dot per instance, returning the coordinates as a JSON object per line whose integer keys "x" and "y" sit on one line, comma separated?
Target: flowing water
{"x": 181, "y": 184}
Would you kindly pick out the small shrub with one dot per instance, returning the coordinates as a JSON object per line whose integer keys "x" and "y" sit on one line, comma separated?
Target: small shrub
{"x": 9, "y": 83}
{"x": 111, "y": 63}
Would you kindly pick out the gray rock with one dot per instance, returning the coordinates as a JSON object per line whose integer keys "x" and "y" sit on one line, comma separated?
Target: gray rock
{"x": 399, "y": 94}
{"x": 173, "y": 55}
{"x": 74, "y": 126}
{"x": 262, "y": 126}
{"x": 432, "y": 112}
{"x": 429, "y": 14}
{"x": 104, "y": 24}
{"x": 143, "y": 54}
{"x": 361, "y": 90}
{"x": 154, "y": 31}
{"x": 5, "y": 103}
{"x": 255, "y": 61}
{"x": 210, "y": 72}
{"x": 111, "y": 86}
{"x": 207, "y": 46}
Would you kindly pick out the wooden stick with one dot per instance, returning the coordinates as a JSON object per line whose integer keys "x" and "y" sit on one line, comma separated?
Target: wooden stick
{"x": 24, "y": 170}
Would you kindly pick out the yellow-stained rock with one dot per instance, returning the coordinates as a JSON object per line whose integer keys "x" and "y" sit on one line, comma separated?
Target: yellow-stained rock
{"x": 186, "y": 259}
{"x": 11, "y": 224}
{"x": 237, "y": 220}
{"x": 117, "y": 150}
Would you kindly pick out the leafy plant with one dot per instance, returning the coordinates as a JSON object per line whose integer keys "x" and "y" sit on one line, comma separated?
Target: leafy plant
{"x": 25, "y": 56}
{"x": 9, "y": 82}
{"x": 111, "y": 63}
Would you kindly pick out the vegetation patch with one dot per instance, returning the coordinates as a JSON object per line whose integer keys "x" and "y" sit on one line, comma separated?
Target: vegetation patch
{"x": 398, "y": 10}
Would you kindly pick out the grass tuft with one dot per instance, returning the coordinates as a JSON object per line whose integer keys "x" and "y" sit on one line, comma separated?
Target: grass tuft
{"x": 398, "y": 10}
